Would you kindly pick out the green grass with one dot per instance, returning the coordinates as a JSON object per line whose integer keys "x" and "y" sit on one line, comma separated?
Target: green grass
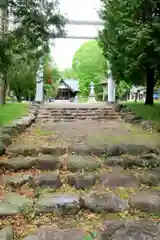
{"x": 10, "y": 112}
{"x": 82, "y": 99}
{"x": 145, "y": 111}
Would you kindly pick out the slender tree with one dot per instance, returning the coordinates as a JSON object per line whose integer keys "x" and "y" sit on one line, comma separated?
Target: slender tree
{"x": 36, "y": 22}
{"x": 131, "y": 41}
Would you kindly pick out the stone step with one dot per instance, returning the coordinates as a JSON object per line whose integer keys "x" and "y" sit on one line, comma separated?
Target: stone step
{"x": 47, "y": 161}
{"x": 115, "y": 229}
{"x": 83, "y": 189}
{"x": 84, "y": 117}
{"x": 112, "y": 190}
{"x": 76, "y": 109}
{"x": 78, "y": 113}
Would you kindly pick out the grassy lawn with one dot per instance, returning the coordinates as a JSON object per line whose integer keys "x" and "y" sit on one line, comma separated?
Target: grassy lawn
{"x": 147, "y": 112}
{"x": 82, "y": 99}
{"x": 10, "y": 112}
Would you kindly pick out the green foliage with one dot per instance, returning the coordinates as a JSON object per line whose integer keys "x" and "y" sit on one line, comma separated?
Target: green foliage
{"x": 34, "y": 23}
{"x": 131, "y": 41}
{"x": 122, "y": 89}
{"x": 51, "y": 72}
{"x": 89, "y": 65}
{"x": 147, "y": 112}
{"x": 69, "y": 73}
{"x": 10, "y": 112}
{"x": 50, "y": 69}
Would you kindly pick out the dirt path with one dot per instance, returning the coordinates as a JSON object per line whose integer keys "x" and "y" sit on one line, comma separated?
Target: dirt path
{"x": 81, "y": 180}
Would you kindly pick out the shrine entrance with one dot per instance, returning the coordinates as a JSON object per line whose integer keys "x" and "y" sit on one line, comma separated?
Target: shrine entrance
{"x": 68, "y": 89}
{"x": 64, "y": 94}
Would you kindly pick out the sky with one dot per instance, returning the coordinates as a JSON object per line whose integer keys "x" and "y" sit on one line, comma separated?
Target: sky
{"x": 64, "y": 49}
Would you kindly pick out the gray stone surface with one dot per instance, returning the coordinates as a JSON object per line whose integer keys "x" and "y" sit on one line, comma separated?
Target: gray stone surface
{"x": 128, "y": 161}
{"x": 77, "y": 163}
{"x": 150, "y": 177}
{"x": 2, "y": 148}
{"x": 5, "y": 139}
{"x": 64, "y": 204}
{"x": 10, "y": 130}
{"x": 132, "y": 149}
{"x": 47, "y": 180}
{"x": 82, "y": 181}
{"x": 130, "y": 230}
{"x": 53, "y": 150}
{"x": 111, "y": 149}
{"x": 17, "y": 181}
{"x": 7, "y": 233}
{"x": 23, "y": 151}
{"x": 13, "y": 203}
{"x": 48, "y": 162}
{"x": 7, "y": 209}
{"x": 104, "y": 202}
{"x": 18, "y": 163}
{"x": 49, "y": 233}
{"x": 118, "y": 178}
{"x": 147, "y": 201}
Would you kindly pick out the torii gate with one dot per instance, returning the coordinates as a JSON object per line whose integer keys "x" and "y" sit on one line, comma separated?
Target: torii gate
{"x": 110, "y": 80}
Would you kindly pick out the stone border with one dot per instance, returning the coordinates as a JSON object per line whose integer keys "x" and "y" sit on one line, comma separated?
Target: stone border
{"x": 16, "y": 127}
{"x": 130, "y": 116}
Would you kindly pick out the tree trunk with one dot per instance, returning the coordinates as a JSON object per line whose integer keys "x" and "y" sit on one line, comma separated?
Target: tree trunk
{"x": 18, "y": 95}
{"x": 150, "y": 86}
{"x": 2, "y": 92}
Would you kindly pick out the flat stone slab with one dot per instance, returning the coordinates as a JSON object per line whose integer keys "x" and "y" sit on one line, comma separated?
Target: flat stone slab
{"x": 23, "y": 151}
{"x": 2, "y": 148}
{"x": 53, "y": 150}
{"x": 81, "y": 181}
{"x": 18, "y": 163}
{"x": 7, "y": 209}
{"x": 17, "y": 181}
{"x": 104, "y": 202}
{"x": 135, "y": 230}
{"x": 7, "y": 233}
{"x": 127, "y": 161}
{"x": 150, "y": 177}
{"x": 64, "y": 204}
{"x": 5, "y": 139}
{"x": 49, "y": 233}
{"x": 147, "y": 201}
{"x": 78, "y": 163}
{"x": 110, "y": 149}
{"x": 47, "y": 180}
{"x": 118, "y": 178}
{"x": 48, "y": 162}
{"x": 13, "y": 204}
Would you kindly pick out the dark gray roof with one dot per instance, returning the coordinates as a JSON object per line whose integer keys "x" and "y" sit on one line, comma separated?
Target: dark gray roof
{"x": 72, "y": 84}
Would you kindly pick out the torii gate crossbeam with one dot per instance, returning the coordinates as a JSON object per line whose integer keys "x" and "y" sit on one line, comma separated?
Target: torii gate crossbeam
{"x": 91, "y": 23}
{"x": 77, "y": 37}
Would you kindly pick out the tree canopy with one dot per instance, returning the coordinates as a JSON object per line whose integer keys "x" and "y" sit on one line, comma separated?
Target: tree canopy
{"x": 69, "y": 73}
{"x": 89, "y": 65}
{"x": 131, "y": 41}
{"x": 51, "y": 73}
{"x": 32, "y": 24}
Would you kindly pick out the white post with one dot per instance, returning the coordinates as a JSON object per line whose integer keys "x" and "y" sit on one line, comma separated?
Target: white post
{"x": 39, "y": 83}
{"x": 111, "y": 87}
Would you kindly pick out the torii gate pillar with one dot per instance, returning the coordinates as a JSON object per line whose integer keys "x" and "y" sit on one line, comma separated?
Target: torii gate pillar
{"x": 111, "y": 87}
{"x": 39, "y": 83}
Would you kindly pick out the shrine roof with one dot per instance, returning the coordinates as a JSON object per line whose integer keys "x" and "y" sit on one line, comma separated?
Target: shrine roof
{"x": 72, "y": 84}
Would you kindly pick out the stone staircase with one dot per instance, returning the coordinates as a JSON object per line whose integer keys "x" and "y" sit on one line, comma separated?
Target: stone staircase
{"x": 74, "y": 114}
